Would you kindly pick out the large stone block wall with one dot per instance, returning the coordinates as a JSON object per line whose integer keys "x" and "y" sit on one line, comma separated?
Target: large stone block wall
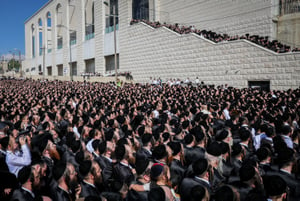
{"x": 162, "y": 53}
{"x": 222, "y": 16}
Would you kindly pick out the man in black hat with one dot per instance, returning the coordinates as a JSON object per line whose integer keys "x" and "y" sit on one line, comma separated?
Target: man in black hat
{"x": 276, "y": 188}
{"x": 25, "y": 192}
{"x": 66, "y": 177}
{"x": 91, "y": 174}
{"x": 286, "y": 161}
{"x": 201, "y": 170}
{"x": 145, "y": 151}
{"x": 143, "y": 177}
{"x": 122, "y": 170}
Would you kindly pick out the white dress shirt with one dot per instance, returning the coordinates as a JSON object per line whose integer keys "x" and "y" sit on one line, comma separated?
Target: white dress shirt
{"x": 15, "y": 161}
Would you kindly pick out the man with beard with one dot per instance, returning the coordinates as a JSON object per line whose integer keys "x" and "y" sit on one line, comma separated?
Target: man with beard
{"x": 25, "y": 192}
{"x": 44, "y": 153}
{"x": 66, "y": 177}
{"x": 122, "y": 170}
{"x": 91, "y": 174}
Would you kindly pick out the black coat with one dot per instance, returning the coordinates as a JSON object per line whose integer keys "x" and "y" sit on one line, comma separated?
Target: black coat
{"x": 88, "y": 190}
{"x": 292, "y": 183}
{"x": 22, "y": 195}
{"x": 176, "y": 168}
{"x": 137, "y": 196}
{"x": 61, "y": 195}
{"x": 187, "y": 185}
{"x": 123, "y": 173}
{"x": 143, "y": 154}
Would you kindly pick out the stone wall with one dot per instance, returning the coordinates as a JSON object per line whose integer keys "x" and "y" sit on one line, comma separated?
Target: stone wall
{"x": 222, "y": 16}
{"x": 166, "y": 54}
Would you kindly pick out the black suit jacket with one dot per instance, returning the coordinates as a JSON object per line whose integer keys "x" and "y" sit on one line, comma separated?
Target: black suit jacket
{"x": 137, "y": 196}
{"x": 61, "y": 195}
{"x": 176, "y": 168}
{"x": 3, "y": 165}
{"x": 143, "y": 154}
{"x": 187, "y": 185}
{"x": 88, "y": 190}
{"x": 123, "y": 173}
{"x": 21, "y": 195}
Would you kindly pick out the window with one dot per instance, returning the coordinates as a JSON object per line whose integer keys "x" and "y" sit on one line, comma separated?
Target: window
{"x": 263, "y": 85}
{"x": 140, "y": 9}
{"x": 89, "y": 20}
{"x": 49, "y": 22}
{"x": 33, "y": 40}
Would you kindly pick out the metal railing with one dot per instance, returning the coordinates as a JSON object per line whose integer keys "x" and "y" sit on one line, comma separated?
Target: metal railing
{"x": 289, "y": 7}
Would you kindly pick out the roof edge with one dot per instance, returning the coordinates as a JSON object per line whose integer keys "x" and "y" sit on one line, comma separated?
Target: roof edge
{"x": 46, "y": 4}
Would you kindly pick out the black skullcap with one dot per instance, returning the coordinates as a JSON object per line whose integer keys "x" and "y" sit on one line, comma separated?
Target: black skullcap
{"x": 285, "y": 155}
{"x": 214, "y": 149}
{"x": 221, "y": 135}
{"x": 159, "y": 152}
{"x": 262, "y": 153}
{"x": 141, "y": 165}
{"x": 24, "y": 174}
{"x": 156, "y": 170}
{"x": 120, "y": 152}
{"x": 40, "y": 141}
{"x": 95, "y": 144}
{"x": 188, "y": 139}
{"x": 36, "y": 158}
{"x": 51, "y": 115}
{"x": 146, "y": 138}
{"x": 102, "y": 147}
{"x": 198, "y": 192}
{"x": 236, "y": 149}
{"x": 224, "y": 147}
{"x": 4, "y": 142}
{"x": 286, "y": 129}
{"x": 175, "y": 146}
{"x": 200, "y": 166}
{"x": 85, "y": 167}
{"x": 58, "y": 170}
{"x": 274, "y": 185}
{"x": 79, "y": 157}
{"x": 224, "y": 193}
{"x": 247, "y": 172}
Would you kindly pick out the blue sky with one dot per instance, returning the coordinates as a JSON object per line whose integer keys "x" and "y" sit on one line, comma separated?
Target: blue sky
{"x": 13, "y": 14}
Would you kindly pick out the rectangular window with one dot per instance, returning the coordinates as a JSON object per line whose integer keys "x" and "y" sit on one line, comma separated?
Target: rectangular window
{"x": 33, "y": 46}
{"x": 110, "y": 63}
{"x": 59, "y": 43}
{"x": 264, "y": 85}
{"x": 109, "y": 24}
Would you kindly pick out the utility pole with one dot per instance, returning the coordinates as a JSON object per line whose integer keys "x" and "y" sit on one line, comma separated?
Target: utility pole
{"x": 115, "y": 41}
{"x": 71, "y": 64}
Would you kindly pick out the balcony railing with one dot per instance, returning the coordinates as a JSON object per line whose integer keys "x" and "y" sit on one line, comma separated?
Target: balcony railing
{"x": 89, "y": 36}
{"x": 289, "y": 7}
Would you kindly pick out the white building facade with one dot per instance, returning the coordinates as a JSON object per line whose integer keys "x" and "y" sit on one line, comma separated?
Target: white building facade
{"x": 71, "y": 37}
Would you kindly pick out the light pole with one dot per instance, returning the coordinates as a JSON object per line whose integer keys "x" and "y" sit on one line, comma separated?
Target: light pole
{"x": 70, "y": 50}
{"x": 115, "y": 37}
{"x": 20, "y": 68}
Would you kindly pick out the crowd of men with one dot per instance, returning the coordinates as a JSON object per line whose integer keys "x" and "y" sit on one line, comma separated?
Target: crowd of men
{"x": 66, "y": 141}
{"x": 263, "y": 41}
